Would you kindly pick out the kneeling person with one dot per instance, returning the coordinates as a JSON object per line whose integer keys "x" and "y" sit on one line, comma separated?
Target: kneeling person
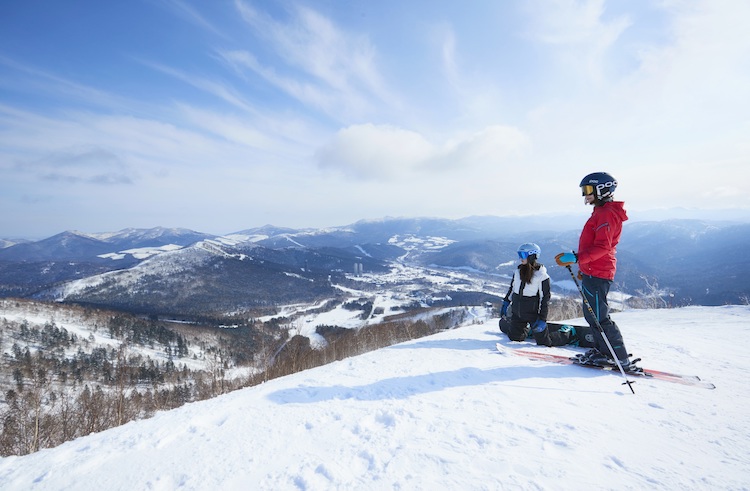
{"x": 528, "y": 296}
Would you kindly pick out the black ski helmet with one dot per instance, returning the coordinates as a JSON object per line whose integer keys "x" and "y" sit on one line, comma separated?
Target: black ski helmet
{"x": 601, "y": 184}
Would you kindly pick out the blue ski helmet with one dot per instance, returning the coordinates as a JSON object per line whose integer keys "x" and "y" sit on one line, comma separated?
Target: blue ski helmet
{"x": 529, "y": 249}
{"x": 599, "y": 183}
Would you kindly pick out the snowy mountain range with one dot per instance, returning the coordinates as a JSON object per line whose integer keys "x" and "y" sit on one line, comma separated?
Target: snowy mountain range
{"x": 74, "y": 245}
{"x": 446, "y": 412}
{"x": 169, "y": 271}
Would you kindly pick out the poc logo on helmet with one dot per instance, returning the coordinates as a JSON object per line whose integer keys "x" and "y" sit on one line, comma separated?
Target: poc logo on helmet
{"x": 606, "y": 185}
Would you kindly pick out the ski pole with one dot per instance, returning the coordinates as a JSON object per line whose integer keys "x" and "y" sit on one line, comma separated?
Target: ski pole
{"x": 627, "y": 382}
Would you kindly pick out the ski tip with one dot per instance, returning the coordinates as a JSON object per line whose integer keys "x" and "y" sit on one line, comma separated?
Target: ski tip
{"x": 500, "y": 348}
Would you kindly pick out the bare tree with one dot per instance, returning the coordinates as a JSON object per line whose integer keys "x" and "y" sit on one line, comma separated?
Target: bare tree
{"x": 650, "y": 297}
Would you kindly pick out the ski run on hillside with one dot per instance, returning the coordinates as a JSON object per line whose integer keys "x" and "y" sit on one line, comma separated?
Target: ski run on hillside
{"x": 447, "y": 412}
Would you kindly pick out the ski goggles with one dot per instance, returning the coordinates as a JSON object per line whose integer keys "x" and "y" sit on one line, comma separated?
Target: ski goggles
{"x": 524, "y": 254}
{"x": 587, "y": 189}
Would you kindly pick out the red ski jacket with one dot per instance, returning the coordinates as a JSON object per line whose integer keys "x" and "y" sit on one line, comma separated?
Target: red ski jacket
{"x": 598, "y": 243}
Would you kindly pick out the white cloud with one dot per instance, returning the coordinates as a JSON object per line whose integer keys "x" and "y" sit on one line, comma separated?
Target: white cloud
{"x": 370, "y": 151}
{"x": 492, "y": 146}
{"x": 386, "y": 152}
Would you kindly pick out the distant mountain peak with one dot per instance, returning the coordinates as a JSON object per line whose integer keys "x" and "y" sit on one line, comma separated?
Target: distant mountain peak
{"x": 267, "y": 230}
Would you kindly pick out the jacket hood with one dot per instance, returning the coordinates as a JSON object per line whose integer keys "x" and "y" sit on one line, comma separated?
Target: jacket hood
{"x": 617, "y": 207}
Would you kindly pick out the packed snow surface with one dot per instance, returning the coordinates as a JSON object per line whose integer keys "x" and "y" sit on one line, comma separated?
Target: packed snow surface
{"x": 447, "y": 412}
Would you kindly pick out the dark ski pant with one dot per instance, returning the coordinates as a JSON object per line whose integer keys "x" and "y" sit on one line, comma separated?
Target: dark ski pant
{"x": 519, "y": 330}
{"x": 553, "y": 337}
{"x": 596, "y": 290}
{"x": 515, "y": 328}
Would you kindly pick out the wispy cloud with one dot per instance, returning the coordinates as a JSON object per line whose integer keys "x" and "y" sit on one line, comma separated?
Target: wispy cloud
{"x": 311, "y": 94}
{"x": 65, "y": 92}
{"x": 222, "y": 91}
{"x": 326, "y": 67}
{"x": 194, "y": 16}
{"x": 579, "y": 31}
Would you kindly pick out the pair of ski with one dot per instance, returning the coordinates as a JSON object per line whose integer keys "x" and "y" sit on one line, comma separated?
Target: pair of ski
{"x": 691, "y": 380}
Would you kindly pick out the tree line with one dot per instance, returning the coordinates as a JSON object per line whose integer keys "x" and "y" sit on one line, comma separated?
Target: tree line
{"x": 58, "y": 386}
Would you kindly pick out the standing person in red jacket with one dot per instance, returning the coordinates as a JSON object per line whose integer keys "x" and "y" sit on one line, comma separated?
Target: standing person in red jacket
{"x": 597, "y": 263}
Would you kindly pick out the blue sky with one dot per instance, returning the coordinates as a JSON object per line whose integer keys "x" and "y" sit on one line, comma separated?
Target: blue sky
{"x": 225, "y": 115}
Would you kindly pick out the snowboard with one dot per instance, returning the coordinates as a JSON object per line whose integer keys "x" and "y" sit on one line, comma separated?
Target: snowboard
{"x": 690, "y": 380}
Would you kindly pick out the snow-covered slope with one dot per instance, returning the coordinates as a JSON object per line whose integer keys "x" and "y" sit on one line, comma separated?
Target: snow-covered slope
{"x": 446, "y": 412}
